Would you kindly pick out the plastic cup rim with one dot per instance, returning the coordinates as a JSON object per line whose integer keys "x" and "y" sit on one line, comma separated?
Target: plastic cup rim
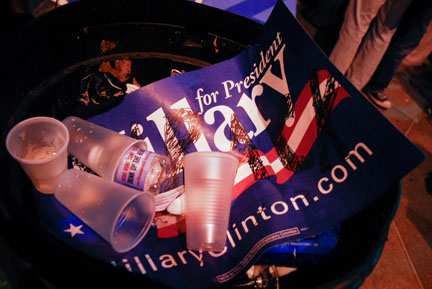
{"x": 142, "y": 233}
{"x": 44, "y": 160}
{"x": 211, "y": 154}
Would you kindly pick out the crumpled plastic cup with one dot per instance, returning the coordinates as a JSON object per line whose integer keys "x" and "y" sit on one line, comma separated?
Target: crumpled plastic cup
{"x": 119, "y": 214}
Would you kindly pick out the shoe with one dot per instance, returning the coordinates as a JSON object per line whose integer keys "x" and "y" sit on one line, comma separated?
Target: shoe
{"x": 379, "y": 98}
{"x": 429, "y": 116}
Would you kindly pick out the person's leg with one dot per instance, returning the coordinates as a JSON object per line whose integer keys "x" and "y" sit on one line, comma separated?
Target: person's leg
{"x": 411, "y": 29}
{"x": 358, "y": 16}
{"x": 422, "y": 51}
{"x": 410, "y": 32}
{"x": 327, "y": 34}
{"x": 376, "y": 42}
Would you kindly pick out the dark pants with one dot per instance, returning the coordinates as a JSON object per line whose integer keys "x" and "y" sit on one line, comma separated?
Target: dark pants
{"x": 410, "y": 31}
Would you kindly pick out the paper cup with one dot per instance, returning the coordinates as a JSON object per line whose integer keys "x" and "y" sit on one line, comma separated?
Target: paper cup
{"x": 209, "y": 181}
{"x": 40, "y": 144}
{"x": 119, "y": 214}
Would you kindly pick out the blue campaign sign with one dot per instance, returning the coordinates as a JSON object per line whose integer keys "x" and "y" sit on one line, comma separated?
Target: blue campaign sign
{"x": 313, "y": 152}
{"x": 256, "y": 10}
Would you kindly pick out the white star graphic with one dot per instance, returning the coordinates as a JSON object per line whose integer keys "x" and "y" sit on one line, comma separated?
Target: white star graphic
{"x": 74, "y": 230}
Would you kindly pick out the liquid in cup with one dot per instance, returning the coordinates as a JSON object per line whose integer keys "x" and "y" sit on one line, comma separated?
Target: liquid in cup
{"x": 120, "y": 215}
{"x": 40, "y": 144}
{"x": 209, "y": 181}
{"x": 116, "y": 157}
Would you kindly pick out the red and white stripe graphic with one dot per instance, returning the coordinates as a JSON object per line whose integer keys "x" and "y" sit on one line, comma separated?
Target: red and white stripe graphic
{"x": 300, "y": 133}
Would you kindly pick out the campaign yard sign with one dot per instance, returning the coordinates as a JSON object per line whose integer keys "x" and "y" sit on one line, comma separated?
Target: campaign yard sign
{"x": 313, "y": 152}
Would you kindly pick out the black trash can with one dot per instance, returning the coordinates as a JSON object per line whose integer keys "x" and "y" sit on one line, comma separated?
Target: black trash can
{"x": 79, "y": 60}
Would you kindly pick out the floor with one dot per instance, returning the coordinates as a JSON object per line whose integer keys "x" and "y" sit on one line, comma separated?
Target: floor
{"x": 406, "y": 261}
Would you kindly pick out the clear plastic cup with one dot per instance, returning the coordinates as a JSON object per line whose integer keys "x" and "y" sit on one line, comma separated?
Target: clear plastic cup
{"x": 209, "y": 181}
{"x": 98, "y": 147}
{"x": 40, "y": 144}
{"x": 111, "y": 155}
{"x": 119, "y": 214}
